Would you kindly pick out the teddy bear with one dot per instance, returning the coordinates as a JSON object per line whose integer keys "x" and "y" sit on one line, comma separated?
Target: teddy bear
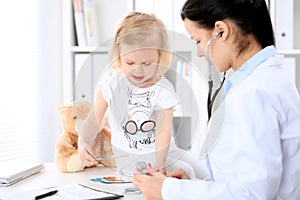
{"x": 66, "y": 149}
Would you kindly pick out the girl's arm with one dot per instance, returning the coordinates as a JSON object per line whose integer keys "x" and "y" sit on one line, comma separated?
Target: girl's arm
{"x": 163, "y": 137}
{"x": 90, "y": 128}
{"x": 100, "y": 109}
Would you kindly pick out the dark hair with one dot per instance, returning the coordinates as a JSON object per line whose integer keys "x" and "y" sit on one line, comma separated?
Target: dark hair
{"x": 251, "y": 16}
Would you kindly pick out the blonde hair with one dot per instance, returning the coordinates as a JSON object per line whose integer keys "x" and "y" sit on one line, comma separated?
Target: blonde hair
{"x": 138, "y": 31}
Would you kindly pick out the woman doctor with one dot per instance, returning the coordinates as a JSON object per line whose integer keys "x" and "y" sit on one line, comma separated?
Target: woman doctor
{"x": 257, "y": 152}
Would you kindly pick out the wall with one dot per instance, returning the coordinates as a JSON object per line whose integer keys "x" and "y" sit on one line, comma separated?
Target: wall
{"x": 51, "y": 62}
{"x": 109, "y": 15}
{"x": 297, "y": 39}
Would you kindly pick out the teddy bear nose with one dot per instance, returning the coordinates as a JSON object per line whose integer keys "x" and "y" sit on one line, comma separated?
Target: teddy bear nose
{"x": 74, "y": 117}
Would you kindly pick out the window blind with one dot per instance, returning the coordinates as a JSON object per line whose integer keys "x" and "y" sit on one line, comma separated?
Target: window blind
{"x": 19, "y": 80}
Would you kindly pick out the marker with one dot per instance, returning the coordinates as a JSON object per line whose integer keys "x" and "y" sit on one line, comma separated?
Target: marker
{"x": 46, "y": 194}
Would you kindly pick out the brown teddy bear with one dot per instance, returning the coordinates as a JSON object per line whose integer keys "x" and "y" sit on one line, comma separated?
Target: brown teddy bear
{"x": 67, "y": 157}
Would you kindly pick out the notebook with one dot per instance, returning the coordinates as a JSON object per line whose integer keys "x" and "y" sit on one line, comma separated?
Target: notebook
{"x": 12, "y": 172}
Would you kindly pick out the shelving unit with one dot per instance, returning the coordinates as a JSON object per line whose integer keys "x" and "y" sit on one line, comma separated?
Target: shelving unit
{"x": 285, "y": 18}
{"x": 83, "y": 65}
{"x": 106, "y": 22}
{"x": 88, "y": 61}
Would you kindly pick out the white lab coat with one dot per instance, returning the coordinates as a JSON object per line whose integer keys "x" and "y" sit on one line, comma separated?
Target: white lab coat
{"x": 257, "y": 153}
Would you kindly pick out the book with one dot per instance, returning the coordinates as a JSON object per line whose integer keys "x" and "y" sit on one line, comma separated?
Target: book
{"x": 13, "y": 172}
{"x": 79, "y": 22}
{"x": 90, "y": 22}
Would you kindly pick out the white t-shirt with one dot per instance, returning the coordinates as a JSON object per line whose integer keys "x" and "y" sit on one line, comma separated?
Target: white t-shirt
{"x": 131, "y": 115}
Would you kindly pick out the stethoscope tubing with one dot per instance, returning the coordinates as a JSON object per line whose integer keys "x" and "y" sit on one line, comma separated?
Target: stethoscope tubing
{"x": 211, "y": 97}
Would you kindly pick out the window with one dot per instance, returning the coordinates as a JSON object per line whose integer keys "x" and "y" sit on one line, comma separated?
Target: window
{"x": 24, "y": 109}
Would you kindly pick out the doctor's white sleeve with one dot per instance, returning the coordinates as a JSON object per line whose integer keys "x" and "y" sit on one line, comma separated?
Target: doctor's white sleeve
{"x": 246, "y": 161}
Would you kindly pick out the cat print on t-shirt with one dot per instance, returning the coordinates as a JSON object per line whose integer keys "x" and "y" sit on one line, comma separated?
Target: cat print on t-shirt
{"x": 138, "y": 124}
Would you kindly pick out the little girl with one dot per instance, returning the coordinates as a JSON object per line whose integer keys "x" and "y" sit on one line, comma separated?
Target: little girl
{"x": 139, "y": 99}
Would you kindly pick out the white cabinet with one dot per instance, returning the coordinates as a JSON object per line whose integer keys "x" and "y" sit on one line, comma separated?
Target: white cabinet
{"x": 82, "y": 77}
{"x": 286, "y": 19}
{"x": 88, "y": 68}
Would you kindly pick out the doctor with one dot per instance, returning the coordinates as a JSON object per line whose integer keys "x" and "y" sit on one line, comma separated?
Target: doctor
{"x": 257, "y": 152}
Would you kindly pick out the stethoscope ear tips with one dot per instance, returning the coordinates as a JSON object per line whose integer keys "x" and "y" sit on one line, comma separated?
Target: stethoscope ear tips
{"x": 221, "y": 33}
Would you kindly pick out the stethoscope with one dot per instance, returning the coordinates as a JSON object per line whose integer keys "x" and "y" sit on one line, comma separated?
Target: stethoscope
{"x": 211, "y": 97}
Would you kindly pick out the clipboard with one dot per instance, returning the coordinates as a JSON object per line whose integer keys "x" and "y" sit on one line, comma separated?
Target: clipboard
{"x": 109, "y": 194}
{"x": 72, "y": 191}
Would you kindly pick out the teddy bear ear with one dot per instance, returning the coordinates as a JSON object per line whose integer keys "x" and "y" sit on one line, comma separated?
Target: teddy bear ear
{"x": 81, "y": 108}
{"x": 62, "y": 109}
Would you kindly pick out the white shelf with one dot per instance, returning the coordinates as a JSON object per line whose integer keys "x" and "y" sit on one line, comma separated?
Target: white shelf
{"x": 104, "y": 49}
{"x": 290, "y": 52}
{"x": 89, "y": 49}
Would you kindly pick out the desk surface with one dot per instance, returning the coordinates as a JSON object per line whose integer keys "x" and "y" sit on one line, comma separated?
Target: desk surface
{"x": 51, "y": 177}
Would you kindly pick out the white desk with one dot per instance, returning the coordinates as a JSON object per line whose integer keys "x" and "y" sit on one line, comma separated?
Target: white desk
{"x": 50, "y": 177}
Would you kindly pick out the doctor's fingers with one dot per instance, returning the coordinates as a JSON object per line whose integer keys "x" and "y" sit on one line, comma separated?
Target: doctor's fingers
{"x": 136, "y": 183}
{"x": 150, "y": 185}
{"x": 139, "y": 181}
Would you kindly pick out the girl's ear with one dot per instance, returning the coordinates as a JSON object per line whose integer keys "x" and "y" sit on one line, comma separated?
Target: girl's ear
{"x": 222, "y": 29}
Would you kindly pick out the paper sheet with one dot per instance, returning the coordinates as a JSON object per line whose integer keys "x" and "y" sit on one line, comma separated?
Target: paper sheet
{"x": 66, "y": 192}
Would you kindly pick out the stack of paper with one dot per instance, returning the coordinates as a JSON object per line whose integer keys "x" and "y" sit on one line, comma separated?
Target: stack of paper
{"x": 12, "y": 172}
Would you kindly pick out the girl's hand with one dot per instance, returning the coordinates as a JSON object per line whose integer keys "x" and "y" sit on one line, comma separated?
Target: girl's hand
{"x": 85, "y": 156}
{"x": 163, "y": 170}
{"x": 157, "y": 168}
{"x": 179, "y": 173}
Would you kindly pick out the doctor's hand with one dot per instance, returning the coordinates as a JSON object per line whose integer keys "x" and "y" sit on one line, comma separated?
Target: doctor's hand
{"x": 85, "y": 156}
{"x": 179, "y": 173}
{"x": 150, "y": 185}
